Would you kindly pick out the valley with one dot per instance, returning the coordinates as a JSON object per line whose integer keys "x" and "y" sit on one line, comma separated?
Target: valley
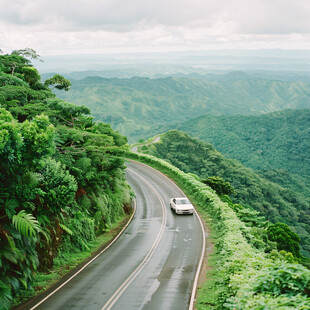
{"x": 133, "y": 105}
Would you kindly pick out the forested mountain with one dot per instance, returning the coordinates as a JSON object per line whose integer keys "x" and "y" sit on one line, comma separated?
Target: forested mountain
{"x": 278, "y": 140}
{"x": 137, "y": 103}
{"x": 60, "y": 184}
{"x": 275, "y": 202}
{"x": 276, "y": 144}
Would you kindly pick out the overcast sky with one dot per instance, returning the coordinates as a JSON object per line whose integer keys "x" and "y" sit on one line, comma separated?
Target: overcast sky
{"x": 107, "y": 26}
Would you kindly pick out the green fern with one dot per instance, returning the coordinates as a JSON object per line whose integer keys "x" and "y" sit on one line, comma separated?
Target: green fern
{"x": 66, "y": 229}
{"x": 26, "y": 224}
{"x": 10, "y": 206}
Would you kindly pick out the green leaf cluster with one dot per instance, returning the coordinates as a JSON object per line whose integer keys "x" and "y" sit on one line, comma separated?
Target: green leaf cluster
{"x": 219, "y": 185}
{"x": 59, "y": 81}
{"x": 286, "y": 239}
{"x": 62, "y": 183}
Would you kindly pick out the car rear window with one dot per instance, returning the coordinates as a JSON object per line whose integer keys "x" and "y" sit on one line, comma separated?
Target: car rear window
{"x": 183, "y": 201}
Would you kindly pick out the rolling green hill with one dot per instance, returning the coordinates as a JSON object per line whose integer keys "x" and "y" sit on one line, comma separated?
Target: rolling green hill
{"x": 278, "y": 140}
{"x": 137, "y": 103}
{"x": 276, "y": 203}
{"x": 276, "y": 144}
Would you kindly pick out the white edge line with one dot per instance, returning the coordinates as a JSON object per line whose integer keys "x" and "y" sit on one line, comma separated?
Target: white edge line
{"x": 193, "y": 294}
{"x": 73, "y": 276}
{"x": 192, "y": 300}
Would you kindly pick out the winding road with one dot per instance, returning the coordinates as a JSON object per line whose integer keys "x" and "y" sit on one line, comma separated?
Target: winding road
{"x": 151, "y": 266}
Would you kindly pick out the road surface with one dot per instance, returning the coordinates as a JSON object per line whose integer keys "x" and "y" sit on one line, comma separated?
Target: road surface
{"x": 151, "y": 266}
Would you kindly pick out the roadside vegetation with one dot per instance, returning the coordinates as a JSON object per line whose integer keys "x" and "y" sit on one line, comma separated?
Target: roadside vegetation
{"x": 61, "y": 186}
{"x": 276, "y": 203}
{"x": 255, "y": 264}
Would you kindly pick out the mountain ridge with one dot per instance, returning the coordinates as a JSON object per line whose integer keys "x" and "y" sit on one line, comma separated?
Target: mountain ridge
{"x": 137, "y": 103}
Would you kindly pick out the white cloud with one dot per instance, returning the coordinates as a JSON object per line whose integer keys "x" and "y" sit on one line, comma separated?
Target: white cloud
{"x": 138, "y": 25}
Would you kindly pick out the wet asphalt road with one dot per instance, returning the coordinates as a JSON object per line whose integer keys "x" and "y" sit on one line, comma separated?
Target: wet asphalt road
{"x": 151, "y": 266}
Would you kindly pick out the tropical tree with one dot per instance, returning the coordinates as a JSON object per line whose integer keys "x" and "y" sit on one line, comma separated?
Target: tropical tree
{"x": 31, "y": 75}
{"x": 13, "y": 63}
{"x": 59, "y": 82}
{"x": 17, "y": 60}
{"x": 27, "y": 53}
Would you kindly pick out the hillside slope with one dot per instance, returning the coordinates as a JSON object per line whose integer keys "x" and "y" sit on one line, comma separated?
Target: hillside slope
{"x": 276, "y": 144}
{"x": 137, "y": 103}
{"x": 276, "y": 203}
{"x": 279, "y": 140}
{"x": 61, "y": 187}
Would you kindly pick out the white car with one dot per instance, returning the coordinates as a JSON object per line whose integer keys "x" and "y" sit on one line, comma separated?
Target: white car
{"x": 181, "y": 205}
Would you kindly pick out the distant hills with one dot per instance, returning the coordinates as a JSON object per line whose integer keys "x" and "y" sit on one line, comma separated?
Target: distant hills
{"x": 133, "y": 105}
{"x": 163, "y": 71}
{"x": 276, "y": 144}
{"x": 275, "y": 202}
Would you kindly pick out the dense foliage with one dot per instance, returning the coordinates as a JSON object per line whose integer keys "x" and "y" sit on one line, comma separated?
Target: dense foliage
{"x": 133, "y": 105}
{"x": 276, "y": 203}
{"x": 61, "y": 185}
{"x": 248, "y": 273}
{"x": 286, "y": 239}
{"x": 220, "y": 186}
{"x": 58, "y": 82}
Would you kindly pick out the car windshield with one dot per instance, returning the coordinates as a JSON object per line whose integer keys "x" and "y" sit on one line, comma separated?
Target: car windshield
{"x": 183, "y": 201}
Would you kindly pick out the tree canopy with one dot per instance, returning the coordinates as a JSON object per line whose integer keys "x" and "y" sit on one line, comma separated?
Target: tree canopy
{"x": 59, "y": 82}
{"x": 219, "y": 185}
